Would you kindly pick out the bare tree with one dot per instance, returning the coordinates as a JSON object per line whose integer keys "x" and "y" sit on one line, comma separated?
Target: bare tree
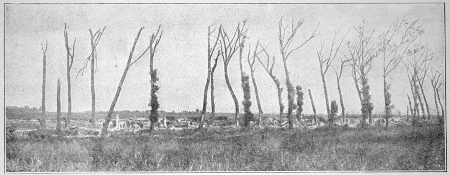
{"x": 58, "y": 108}
{"x": 418, "y": 58}
{"x": 251, "y": 63}
{"x": 285, "y": 42}
{"x": 229, "y": 46}
{"x": 154, "y": 104}
{"x": 130, "y": 63}
{"x": 422, "y": 75}
{"x": 436, "y": 83}
{"x": 325, "y": 61}
{"x": 70, "y": 56}
{"x": 394, "y": 43}
{"x": 313, "y": 106}
{"x": 95, "y": 39}
{"x": 342, "y": 64}
{"x": 44, "y": 75}
{"x": 211, "y": 51}
{"x": 268, "y": 66}
{"x": 362, "y": 54}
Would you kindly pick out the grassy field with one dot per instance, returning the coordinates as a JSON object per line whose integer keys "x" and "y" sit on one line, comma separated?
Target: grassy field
{"x": 323, "y": 149}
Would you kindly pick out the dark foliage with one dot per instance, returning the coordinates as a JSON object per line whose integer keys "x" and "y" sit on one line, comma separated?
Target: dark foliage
{"x": 248, "y": 115}
{"x": 367, "y": 105}
{"x": 154, "y": 104}
{"x": 333, "y": 112}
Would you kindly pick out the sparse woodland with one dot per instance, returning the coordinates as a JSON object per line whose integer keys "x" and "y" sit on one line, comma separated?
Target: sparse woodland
{"x": 354, "y": 56}
{"x": 291, "y": 140}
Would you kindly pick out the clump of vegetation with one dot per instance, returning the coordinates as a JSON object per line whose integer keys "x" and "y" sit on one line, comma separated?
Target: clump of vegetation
{"x": 333, "y": 111}
{"x": 367, "y": 105}
{"x": 299, "y": 102}
{"x": 387, "y": 101}
{"x": 154, "y": 104}
{"x": 248, "y": 115}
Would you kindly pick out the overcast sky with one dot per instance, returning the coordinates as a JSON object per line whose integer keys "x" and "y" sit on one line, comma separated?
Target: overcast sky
{"x": 181, "y": 56}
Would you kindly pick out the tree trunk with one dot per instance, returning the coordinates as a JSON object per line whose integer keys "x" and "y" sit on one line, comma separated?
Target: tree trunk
{"x": 435, "y": 101}
{"x": 325, "y": 92}
{"x": 104, "y": 131}
{"x": 236, "y": 103}
{"x": 280, "y": 101}
{"x": 68, "y": 68}
{"x": 241, "y": 48}
{"x": 440, "y": 103}
{"x": 69, "y": 100}
{"x": 213, "y": 105}
{"x": 420, "y": 100}
{"x": 205, "y": 95}
{"x": 257, "y": 99}
{"x": 44, "y": 72}
{"x": 313, "y": 106}
{"x": 425, "y": 100}
{"x": 357, "y": 87}
{"x": 387, "y": 104}
{"x": 58, "y": 108}
{"x": 291, "y": 94}
{"x": 411, "y": 108}
{"x": 413, "y": 113}
{"x": 92, "y": 84}
{"x": 341, "y": 100}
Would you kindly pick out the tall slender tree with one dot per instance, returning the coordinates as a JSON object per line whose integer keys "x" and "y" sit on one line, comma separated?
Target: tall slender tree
{"x": 228, "y": 47}
{"x": 342, "y": 64}
{"x": 268, "y": 66}
{"x": 325, "y": 61}
{"x": 211, "y": 50}
{"x": 70, "y": 56}
{"x": 421, "y": 78}
{"x": 92, "y": 58}
{"x": 130, "y": 63}
{"x": 285, "y": 39}
{"x": 435, "y": 77}
{"x": 251, "y": 63}
{"x": 394, "y": 43}
{"x": 418, "y": 57}
{"x": 44, "y": 75}
{"x": 154, "y": 103}
{"x": 362, "y": 54}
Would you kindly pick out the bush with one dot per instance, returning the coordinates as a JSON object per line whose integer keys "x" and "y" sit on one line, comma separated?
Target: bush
{"x": 333, "y": 111}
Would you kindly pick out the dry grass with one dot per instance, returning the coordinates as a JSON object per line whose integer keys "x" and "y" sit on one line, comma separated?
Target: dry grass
{"x": 331, "y": 149}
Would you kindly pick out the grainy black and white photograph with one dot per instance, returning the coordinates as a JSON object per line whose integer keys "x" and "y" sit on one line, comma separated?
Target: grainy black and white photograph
{"x": 259, "y": 87}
